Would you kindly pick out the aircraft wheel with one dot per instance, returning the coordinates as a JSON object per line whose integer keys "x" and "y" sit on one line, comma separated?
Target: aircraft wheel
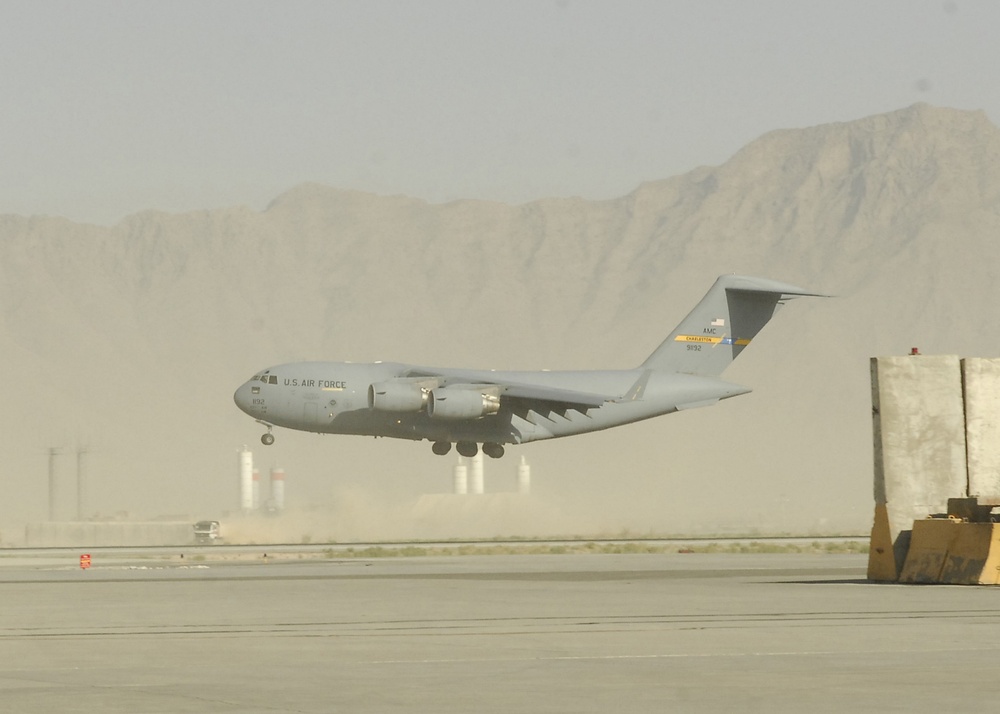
{"x": 441, "y": 447}
{"x": 267, "y": 439}
{"x": 467, "y": 448}
{"x": 494, "y": 451}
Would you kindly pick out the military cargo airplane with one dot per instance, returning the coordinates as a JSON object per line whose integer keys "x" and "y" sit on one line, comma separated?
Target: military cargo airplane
{"x": 471, "y": 407}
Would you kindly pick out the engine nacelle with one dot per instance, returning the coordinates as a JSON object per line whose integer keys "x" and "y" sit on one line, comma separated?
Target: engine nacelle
{"x": 461, "y": 404}
{"x": 397, "y": 397}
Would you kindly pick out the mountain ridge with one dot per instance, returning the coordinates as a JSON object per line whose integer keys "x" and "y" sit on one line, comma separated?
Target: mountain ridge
{"x": 140, "y": 331}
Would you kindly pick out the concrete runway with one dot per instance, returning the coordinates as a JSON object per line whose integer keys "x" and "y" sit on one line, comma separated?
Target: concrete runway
{"x": 522, "y": 633}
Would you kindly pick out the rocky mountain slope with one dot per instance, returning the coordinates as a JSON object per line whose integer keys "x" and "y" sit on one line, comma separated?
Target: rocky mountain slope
{"x": 130, "y": 340}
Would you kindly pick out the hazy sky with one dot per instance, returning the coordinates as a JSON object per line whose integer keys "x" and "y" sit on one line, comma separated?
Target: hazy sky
{"x": 109, "y": 108}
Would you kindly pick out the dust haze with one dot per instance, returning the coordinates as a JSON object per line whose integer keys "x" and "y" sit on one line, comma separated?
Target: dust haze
{"x": 128, "y": 341}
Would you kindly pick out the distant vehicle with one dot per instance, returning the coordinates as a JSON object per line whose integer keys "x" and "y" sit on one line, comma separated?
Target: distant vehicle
{"x": 471, "y": 407}
{"x": 207, "y": 532}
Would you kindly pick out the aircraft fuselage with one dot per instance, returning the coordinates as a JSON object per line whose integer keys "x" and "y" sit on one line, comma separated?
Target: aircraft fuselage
{"x": 333, "y": 398}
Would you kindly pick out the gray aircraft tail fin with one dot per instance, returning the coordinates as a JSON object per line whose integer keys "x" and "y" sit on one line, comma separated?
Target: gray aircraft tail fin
{"x": 717, "y": 330}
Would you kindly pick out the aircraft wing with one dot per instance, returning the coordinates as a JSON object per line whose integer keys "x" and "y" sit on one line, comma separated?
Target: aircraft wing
{"x": 555, "y": 396}
{"x": 551, "y": 395}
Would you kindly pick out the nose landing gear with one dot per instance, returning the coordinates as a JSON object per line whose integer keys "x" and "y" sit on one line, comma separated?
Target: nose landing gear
{"x": 268, "y": 438}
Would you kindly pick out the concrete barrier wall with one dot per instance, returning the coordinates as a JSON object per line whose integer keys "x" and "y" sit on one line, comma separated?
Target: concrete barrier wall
{"x": 982, "y": 427}
{"x": 918, "y": 421}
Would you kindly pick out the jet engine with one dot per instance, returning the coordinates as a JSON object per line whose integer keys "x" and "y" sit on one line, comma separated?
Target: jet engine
{"x": 397, "y": 396}
{"x": 461, "y": 404}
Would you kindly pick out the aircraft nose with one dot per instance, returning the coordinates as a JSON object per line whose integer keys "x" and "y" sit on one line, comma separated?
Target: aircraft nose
{"x": 242, "y": 396}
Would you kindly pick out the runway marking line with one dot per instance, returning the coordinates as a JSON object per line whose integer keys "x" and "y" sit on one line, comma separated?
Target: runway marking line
{"x": 680, "y": 655}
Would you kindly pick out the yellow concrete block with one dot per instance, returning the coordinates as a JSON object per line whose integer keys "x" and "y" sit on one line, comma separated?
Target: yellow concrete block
{"x": 972, "y": 554}
{"x": 928, "y": 548}
{"x": 953, "y": 552}
{"x": 991, "y": 568}
{"x": 882, "y": 565}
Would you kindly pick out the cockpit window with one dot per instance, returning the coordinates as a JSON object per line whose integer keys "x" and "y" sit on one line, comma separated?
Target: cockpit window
{"x": 272, "y": 379}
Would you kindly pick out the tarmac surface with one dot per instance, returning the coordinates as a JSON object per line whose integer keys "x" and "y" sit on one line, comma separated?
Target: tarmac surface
{"x": 506, "y": 633}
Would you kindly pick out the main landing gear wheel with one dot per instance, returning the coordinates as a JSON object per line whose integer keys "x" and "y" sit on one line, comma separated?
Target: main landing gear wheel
{"x": 494, "y": 451}
{"x": 441, "y": 447}
{"x": 467, "y": 448}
